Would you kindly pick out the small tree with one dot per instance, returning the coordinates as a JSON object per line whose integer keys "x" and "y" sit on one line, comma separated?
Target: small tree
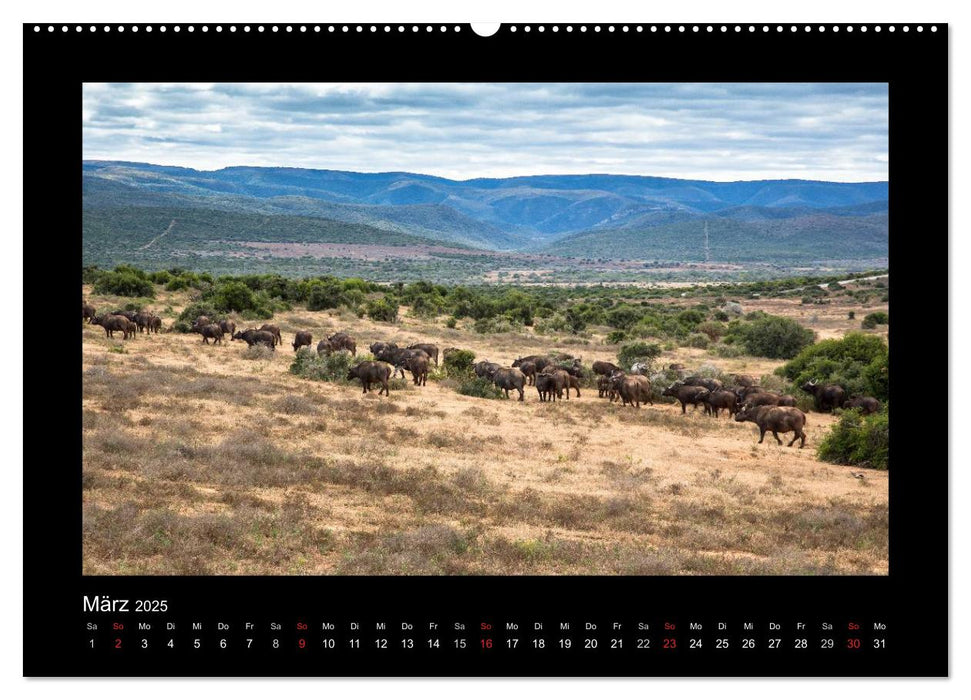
{"x": 459, "y": 363}
{"x": 774, "y": 336}
{"x": 646, "y": 353}
{"x": 877, "y": 318}
{"x": 382, "y": 310}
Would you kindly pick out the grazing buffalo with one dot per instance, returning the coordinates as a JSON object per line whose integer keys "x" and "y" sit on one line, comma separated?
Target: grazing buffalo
{"x": 342, "y": 341}
{"x": 372, "y": 373}
{"x": 417, "y": 364}
{"x": 743, "y": 392}
{"x": 528, "y": 369}
{"x": 539, "y": 361}
{"x": 200, "y": 322}
{"x": 397, "y": 357}
{"x": 826, "y": 396}
{"x": 275, "y": 330}
{"x": 866, "y": 404}
{"x": 605, "y": 368}
{"x": 253, "y": 337}
{"x": 709, "y": 384}
{"x": 485, "y": 369}
{"x": 573, "y": 383}
{"x": 229, "y": 327}
{"x": 546, "y": 387}
{"x": 686, "y": 394}
{"x": 111, "y": 324}
{"x": 764, "y": 397}
{"x": 603, "y": 385}
{"x": 142, "y": 320}
{"x": 212, "y": 331}
{"x": 722, "y": 398}
{"x": 777, "y": 419}
{"x": 745, "y": 380}
{"x": 87, "y": 311}
{"x": 430, "y": 350}
{"x": 560, "y": 381}
{"x": 379, "y": 347}
{"x": 301, "y": 339}
{"x": 155, "y": 324}
{"x": 574, "y": 368}
{"x": 507, "y": 378}
{"x": 633, "y": 389}
{"x": 130, "y": 315}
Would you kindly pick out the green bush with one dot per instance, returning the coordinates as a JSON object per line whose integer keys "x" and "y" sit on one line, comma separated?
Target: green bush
{"x": 382, "y": 310}
{"x": 726, "y": 350}
{"x": 851, "y": 315}
{"x": 858, "y": 362}
{"x": 713, "y": 329}
{"x": 450, "y": 322}
{"x": 638, "y": 352}
{"x": 160, "y": 277}
{"x": 124, "y": 283}
{"x": 177, "y": 284}
{"x": 481, "y": 388}
{"x": 615, "y": 337}
{"x": 773, "y": 336}
{"x": 324, "y": 368}
{"x": 697, "y": 340}
{"x": 877, "y": 318}
{"x": 459, "y": 363}
{"x": 859, "y": 440}
{"x": 233, "y": 296}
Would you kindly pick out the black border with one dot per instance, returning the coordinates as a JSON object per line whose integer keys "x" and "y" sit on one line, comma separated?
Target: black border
{"x": 912, "y": 600}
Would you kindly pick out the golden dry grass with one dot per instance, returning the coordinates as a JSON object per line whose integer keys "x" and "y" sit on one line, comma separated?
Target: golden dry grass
{"x": 201, "y": 460}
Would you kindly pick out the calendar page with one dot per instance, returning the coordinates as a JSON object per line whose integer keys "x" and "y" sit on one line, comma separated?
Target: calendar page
{"x": 550, "y": 350}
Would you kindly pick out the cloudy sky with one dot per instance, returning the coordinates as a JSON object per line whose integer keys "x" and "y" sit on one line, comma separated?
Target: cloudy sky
{"x": 705, "y": 131}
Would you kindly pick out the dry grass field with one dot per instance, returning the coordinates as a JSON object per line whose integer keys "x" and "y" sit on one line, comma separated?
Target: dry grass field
{"x": 213, "y": 460}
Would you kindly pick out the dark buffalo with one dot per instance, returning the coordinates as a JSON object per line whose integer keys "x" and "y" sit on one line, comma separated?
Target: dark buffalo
{"x": 379, "y": 347}
{"x": 539, "y": 361}
{"x": 485, "y": 369}
{"x": 709, "y": 384}
{"x": 253, "y": 337}
{"x": 507, "y": 378}
{"x": 603, "y": 386}
{"x": 574, "y": 368}
{"x": 398, "y": 357}
{"x": 275, "y": 330}
{"x": 605, "y": 368}
{"x": 826, "y": 396}
{"x": 560, "y": 381}
{"x": 142, "y": 320}
{"x": 229, "y": 327}
{"x": 342, "y": 341}
{"x": 528, "y": 368}
{"x": 372, "y": 373}
{"x": 866, "y": 404}
{"x": 777, "y": 419}
{"x": 573, "y": 383}
{"x": 745, "y": 380}
{"x": 416, "y": 363}
{"x": 430, "y": 350}
{"x": 633, "y": 389}
{"x": 111, "y": 324}
{"x": 686, "y": 394}
{"x": 200, "y": 322}
{"x": 302, "y": 339}
{"x": 155, "y": 324}
{"x": 545, "y": 387}
{"x": 743, "y": 392}
{"x": 722, "y": 399}
{"x": 212, "y": 331}
{"x": 130, "y": 315}
{"x": 87, "y": 311}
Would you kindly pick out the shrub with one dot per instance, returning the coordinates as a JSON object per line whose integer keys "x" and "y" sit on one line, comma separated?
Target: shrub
{"x": 638, "y": 352}
{"x": 858, "y": 362}
{"x": 459, "y": 363}
{"x": 732, "y": 308}
{"x": 324, "y": 368}
{"x": 713, "y": 329}
{"x": 124, "y": 283}
{"x": 480, "y": 388}
{"x": 851, "y": 315}
{"x": 233, "y": 296}
{"x": 774, "y": 336}
{"x": 450, "y": 322}
{"x": 725, "y": 350}
{"x": 160, "y": 277}
{"x": 859, "y": 440}
{"x": 258, "y": 352}
{"x": 720, "y": 316}
{"x": 615, "y": 337}
{"x": 177, "y": 284}
{"x": 382, "y": 310}
{"x": 183, "y": 323}
{"x": 877, "y": 318}
{"x": 698, "y": 340}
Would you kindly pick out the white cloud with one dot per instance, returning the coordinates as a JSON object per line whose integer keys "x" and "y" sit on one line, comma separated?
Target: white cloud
{"x": 709, "y": 131}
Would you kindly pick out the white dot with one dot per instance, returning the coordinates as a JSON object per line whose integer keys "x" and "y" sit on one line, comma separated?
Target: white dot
{"x": 667, "y": 27}
{"x": 428, "y": 28}
{"x": 569, "y": 28}
{"x": 863, "y": 28}
{"x": 37, "y": 29}
{"x": 710, "y": 28}
{"x": 527, "y": 28}
{"x": 878, "y": 28}
{"x": 387, "y": 28}
{"x": 934, "y": 28}
{"x": 920, "y": 28}
{"x": 360, "y": 28}
{"x": 694, "y": 28}
{"x": 445, "y": 29}
{"x": 893, "y": 28}
{"x": 626, "y": 28}
{"x": 64, "y": 28}
{"x": 681, "y": 28}
{"x": 738, "y": 28}
{"x": 303, "y": 28}
{"x": 414, "y": 28}
{"x": 794, "y": 28}
{"x": 779, "y": 28}
{"x": 458, "y": 28}
{"x": 765, "y": 28}
{"x": 836, "y": 29}
{"x": 610, "y": 28}
{"x": 275, "y": 28}
{"x": 94, "y": 29}
{"x": 906, "y": 28}
{"x": 77, "y": 28}
{"x": 512, "y": 29}
{"x": 724, "y": 28}
{"x": 121, "y": 29}
{"x": 653, "y": 28}
{"x": 205, "y": 29}
{"x": 555, "y": 28}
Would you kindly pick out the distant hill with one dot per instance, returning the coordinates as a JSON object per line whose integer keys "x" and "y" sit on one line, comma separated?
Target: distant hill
{"x": 562, "y": 214}
{"x": 816, "y": 237}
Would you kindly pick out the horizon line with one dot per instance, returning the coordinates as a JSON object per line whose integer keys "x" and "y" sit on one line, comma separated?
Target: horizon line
{"x": 481, "y": 177}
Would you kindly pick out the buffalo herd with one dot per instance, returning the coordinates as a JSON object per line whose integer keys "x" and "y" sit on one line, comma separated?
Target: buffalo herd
{"x": 553, "y": 377}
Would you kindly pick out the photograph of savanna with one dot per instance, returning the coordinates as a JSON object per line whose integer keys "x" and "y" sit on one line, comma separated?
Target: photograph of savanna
{"x": 485, "y": 329}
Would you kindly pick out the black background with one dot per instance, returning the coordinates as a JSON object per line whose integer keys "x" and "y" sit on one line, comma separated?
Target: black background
{"x": 912, "y": 600}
